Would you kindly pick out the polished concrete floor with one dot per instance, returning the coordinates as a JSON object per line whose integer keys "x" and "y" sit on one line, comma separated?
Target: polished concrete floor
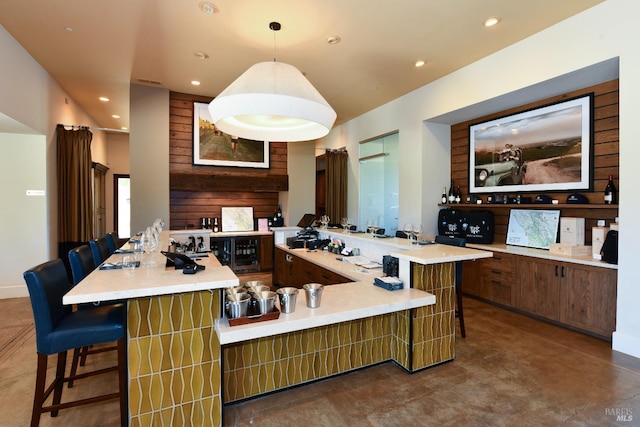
{"x": 510, "y": 371}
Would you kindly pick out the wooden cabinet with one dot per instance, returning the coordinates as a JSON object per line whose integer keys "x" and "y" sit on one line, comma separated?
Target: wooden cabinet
{"x": 588, "y": 299}
{"x": 290, "y": 270}
{"x": 538, "y": 287}
{"x": 265, "y": 252}
{"x": 579, "y": 296}
{"x": 491, "y": 279}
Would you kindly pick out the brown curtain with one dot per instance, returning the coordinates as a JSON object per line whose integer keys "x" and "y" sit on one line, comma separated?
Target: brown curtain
{"x": 336, "y": 191}
{"x": 75, "y": 204}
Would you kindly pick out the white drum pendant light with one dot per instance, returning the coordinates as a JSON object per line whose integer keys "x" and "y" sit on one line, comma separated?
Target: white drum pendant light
{"x": 272, "y": 101}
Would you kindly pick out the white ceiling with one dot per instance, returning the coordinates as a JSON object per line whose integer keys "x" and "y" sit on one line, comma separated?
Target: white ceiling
{"x": 97, "y": 48}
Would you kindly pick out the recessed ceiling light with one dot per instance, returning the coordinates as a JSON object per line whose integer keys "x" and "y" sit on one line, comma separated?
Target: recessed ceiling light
{"x": 490, "y": 22}
{"x": 195, "y": 82}
{"x": 201, "y": 55}
{"x": 208, "y": 8}
{"x": 104, "y": 99}
{"x": 115, "y": 116}
{"x": 333, "y": 39}
{"x": 419, "y": 63}
{"x": 68, "y": 29}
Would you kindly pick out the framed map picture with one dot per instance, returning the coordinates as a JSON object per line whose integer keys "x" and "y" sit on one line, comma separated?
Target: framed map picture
{"x": 533, "y": 228}
{"x": 216, "y": 148}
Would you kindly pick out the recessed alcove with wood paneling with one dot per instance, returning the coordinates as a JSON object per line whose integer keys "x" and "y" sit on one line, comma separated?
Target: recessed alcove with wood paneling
{"x": 605, "y": 160}
{"x": 201, "y": 191}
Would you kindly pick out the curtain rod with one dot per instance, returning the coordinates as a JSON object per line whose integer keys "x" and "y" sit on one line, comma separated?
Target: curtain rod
{"x": 89, "y": 128}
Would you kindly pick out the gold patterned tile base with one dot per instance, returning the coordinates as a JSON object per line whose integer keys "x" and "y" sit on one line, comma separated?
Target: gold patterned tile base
{"x": 174, "y": 360}
{"x": 271, "y": 363}
{"x": 434, "y": 326}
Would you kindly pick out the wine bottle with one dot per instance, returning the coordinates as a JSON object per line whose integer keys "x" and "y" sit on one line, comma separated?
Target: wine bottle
{"x": 458, "y": 194}
{"x": 610, "y": 192}
{"x": 215, "y": 225}
{"x": 279, "y": 212}
{"x": 444, "y": 195}
{"x": 452, "y": 196}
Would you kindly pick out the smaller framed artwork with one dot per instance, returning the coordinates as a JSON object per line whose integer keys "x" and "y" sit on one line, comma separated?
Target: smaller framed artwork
{"x": 237, "y": 219}
{"x": 544, "y": 149}
{"x": 215, "y": 148}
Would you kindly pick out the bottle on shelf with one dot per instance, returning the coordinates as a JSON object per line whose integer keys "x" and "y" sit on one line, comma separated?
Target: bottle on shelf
{"x": 279, "y": 212}
{"x": 610, "y": 192}
{"x": 458, "y": 198}
{"x": 452, "y": 196}
{"x": 215, "y": 225}
{"x": 444, "y": 195}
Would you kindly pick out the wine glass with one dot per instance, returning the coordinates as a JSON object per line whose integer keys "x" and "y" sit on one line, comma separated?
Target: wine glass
{"x": 348, "y": 225}
{"x": 343, "y": 223}
{"x": 417, "y": 231}
{"x": 374, "y": 228}
{"x": 408, "y": 229}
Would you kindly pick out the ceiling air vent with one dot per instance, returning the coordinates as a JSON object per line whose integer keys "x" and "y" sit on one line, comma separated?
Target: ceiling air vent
{"x": 149, "y": 82}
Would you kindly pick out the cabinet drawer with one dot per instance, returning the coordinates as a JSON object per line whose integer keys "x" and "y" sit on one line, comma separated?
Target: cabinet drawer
{"x": 501, "y": 263}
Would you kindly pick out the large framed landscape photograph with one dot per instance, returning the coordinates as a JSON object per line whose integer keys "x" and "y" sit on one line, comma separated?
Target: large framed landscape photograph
{"x": 544, "y": 149}
{"x": 216, "y": 148}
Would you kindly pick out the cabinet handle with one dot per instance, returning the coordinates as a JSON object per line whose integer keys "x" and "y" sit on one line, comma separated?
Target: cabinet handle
{"x": 288, "y": 258}
{"x": 496, "y": 272}
{"x": 556, "y": 271}
{"x": 562, "y": 272}
{"x": 497, "y": 283}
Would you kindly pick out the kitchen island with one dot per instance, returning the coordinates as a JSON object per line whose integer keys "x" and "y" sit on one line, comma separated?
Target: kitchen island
{"x": 185, "y": 361}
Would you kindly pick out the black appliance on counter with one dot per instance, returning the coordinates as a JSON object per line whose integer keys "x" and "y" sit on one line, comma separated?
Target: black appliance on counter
{"x": 307, "y": 237}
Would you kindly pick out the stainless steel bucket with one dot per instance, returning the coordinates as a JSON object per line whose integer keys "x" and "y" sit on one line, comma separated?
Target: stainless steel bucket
{"x": 313, "y": 293}
{"x": 287, "y": 297}
{"x": 265, "y": 301}
{"x": 237, "y": 305}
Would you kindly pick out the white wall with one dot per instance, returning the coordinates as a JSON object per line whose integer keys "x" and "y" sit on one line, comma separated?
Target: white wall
{"x": 30, "y": 97}
{"x": 301, "y": 197}
{"x": 149, "y": 155}
{"x": 575, "y": 53}
{"x": 24, "y": 218}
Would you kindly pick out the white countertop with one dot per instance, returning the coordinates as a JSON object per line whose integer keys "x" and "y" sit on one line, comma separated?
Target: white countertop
{"x": 145, "y": 281}
{"x": 438, "y": 254}
{"x": 544, "y": 254}
{"x": 333, "y": 262}
{"x": 339, "y": 303}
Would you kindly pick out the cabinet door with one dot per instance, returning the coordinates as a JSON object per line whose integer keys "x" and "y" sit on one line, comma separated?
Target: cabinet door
{"x": 589, "y": 299}
{"x": 282, "y": 273}
{"x": 266, "y": 253}
{"x": 538, "y": 287}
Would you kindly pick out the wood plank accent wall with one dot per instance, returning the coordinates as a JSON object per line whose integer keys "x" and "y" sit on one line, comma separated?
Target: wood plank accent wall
{"x": 200, "y": 191}
{"x": 605, "y": 162}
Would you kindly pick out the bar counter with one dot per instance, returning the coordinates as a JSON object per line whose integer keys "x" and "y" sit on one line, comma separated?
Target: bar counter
{"x": 185, "y": 361}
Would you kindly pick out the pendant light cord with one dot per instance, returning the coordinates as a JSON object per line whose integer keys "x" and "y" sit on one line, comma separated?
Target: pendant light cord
{"x": 275, "y": 27}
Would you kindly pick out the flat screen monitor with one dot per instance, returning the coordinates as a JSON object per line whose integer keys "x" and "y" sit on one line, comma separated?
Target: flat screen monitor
{"x": 307, "y": 220}
{"x": 533, "y": 228}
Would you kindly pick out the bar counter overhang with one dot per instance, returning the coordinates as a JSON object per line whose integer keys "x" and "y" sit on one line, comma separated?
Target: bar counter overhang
{"x": 185, "y": 361}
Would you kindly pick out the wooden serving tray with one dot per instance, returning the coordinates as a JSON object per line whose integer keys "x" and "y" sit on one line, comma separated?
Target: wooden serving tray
{"x": 254, "y": 318}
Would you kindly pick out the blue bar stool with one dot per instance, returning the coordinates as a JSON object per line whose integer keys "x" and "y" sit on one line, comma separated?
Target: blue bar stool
{"x": 59, "y": 329}
{"x": 81, "y": 261}
{"x": 456, "y": 241}
{"x": 100, "y": 250}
